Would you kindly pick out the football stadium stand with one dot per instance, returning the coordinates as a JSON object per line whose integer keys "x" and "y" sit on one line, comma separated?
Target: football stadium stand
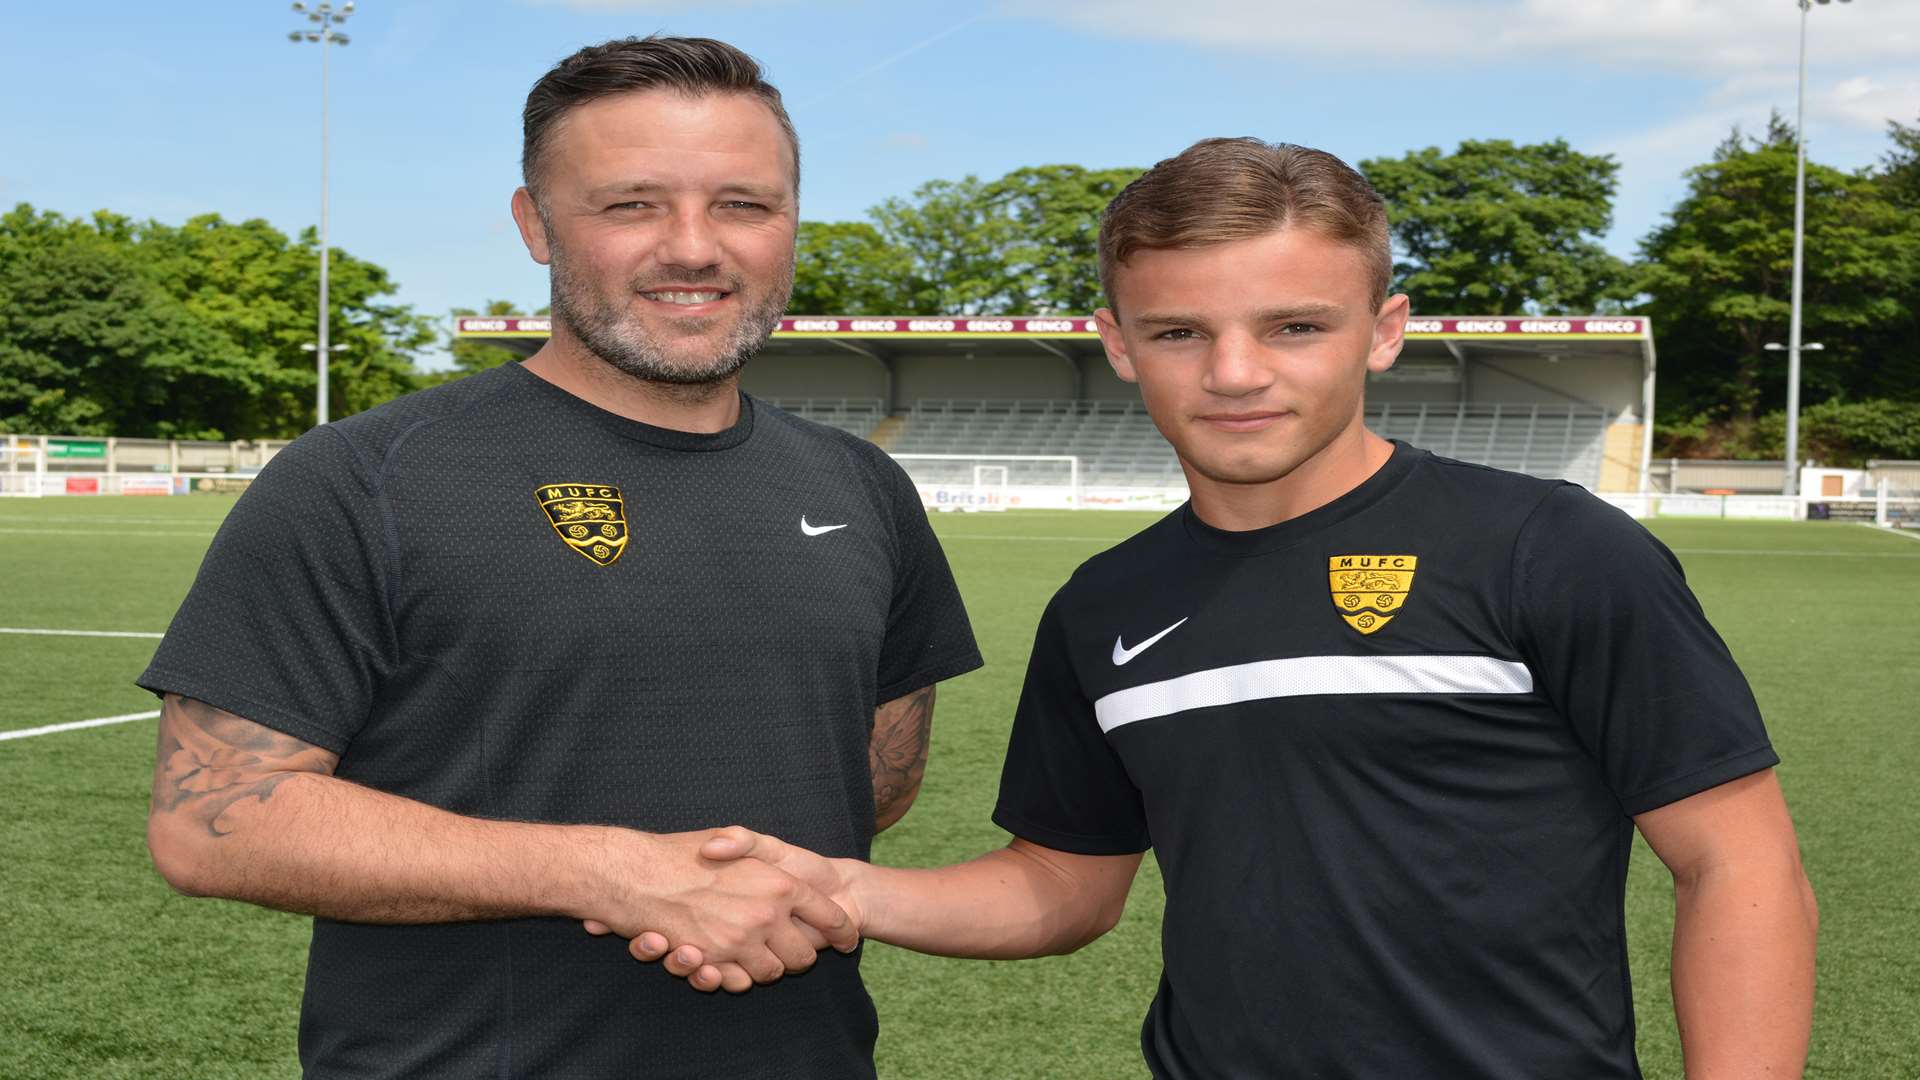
{"x": 995, "y": 413}
{"x": 1000, "y": 412}
{"x": 856, "y": 416}
{"x": 1558, "y": 397}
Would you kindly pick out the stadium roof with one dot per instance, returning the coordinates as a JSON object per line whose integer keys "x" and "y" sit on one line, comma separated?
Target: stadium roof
{"x": 1436, "y": 339}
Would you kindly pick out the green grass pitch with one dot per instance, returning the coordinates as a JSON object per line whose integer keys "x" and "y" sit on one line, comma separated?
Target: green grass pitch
{"x": 108, "y": 974}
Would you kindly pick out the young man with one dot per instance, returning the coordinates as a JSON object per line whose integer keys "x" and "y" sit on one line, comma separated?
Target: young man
{"x": 463, "y": 670}
{"x": 1387, "y": 720}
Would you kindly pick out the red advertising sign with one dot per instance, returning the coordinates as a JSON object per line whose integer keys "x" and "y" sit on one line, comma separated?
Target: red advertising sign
{"x": 1527, "y": 326}
{"x": 83, "y": 485}
{"x": 1032, "y": 326}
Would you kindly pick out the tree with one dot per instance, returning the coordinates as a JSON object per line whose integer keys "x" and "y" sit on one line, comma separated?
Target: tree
{"x": 1025, "y": 243}
{"x": 1896, "y": 343}
{"x": 1900, "y": 167}
{"x": 89, "y": 345}
{"x": 1719, "y": 279}
{"x": 954, "y": 240}
{"x": 1055, "y": 210}
{"x": 1496, "y": 228}
{"x": 848, "y": 268}
{"x": 112, "y": 326}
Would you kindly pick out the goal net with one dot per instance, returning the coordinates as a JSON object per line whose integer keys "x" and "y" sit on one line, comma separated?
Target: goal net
{"x": 1896, "y": 502}
{"x": 23, "y": 470}
{"x": 974, "y": 482}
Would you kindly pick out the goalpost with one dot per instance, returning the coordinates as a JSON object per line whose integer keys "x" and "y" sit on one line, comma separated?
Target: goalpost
{"x": 993, "y": 482}
{"x": 1896, "y": 501}
{"x": 23, "y": 470}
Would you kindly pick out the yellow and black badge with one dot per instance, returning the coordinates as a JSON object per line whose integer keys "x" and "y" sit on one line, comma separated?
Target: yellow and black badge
{"x": 591, "y": 518}
{"x": 1369, "y": 590}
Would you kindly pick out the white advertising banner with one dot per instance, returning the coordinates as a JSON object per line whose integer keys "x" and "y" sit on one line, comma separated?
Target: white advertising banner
{"x": 146, "y": 485}
{"x": 969, "y": 497}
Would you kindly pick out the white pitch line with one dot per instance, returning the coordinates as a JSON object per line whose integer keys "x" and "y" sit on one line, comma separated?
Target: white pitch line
{"x": 84, "y": 519}
{"x": 76, "y": 725}
{"x": 1791, "y": 552}
{"x": 78, "y": 633}
{"x": 104, "y": 533}
{"x": 1008, "y": 536}
{"x": 1901, "y": 533}
{"x": 1796, "y": 552}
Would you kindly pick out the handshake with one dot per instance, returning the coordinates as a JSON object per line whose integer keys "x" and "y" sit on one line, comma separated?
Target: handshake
{"x": 729, "y": 908}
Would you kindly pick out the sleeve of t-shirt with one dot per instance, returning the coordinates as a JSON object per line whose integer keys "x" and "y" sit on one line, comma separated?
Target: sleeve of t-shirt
{"x": 1619, "y": 644}
{"x": 1063, "y": 786}
{"x": 928, "y": 635}
{"x": 287, "y": 622}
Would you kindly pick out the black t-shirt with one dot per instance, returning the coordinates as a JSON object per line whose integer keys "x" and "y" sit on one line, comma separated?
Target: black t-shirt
{"x": 498, "y": 599}
{"x": 1386, "y": 754}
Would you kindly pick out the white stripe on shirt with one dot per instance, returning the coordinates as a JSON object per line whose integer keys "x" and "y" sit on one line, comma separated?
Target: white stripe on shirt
{"x": 1302, "y": 676}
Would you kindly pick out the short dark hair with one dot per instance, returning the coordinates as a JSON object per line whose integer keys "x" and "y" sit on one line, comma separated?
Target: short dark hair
{"x": 693, "y": 66}
{"x": 1221, "y": 190}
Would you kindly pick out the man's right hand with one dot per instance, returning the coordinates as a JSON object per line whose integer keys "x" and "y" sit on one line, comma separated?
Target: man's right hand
{"x": 749, "y": 915}
{"x": 704, "y": 969}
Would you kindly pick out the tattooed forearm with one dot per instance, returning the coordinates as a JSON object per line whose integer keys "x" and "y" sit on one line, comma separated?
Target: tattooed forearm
{"x": 208, "y": 760}
{"x": 898, "y": 753}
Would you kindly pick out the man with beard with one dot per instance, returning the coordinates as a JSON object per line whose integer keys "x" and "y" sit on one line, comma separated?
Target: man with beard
{"x": 491, "y": 660}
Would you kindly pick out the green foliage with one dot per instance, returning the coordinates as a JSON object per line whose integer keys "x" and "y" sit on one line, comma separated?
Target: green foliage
{"x": 112, "y": 326}
{"x": 1496, "y": 228}
{"x": 1055, "y": 211}
{"x": 1847, "y": 433}
{"x": 1900, "y": 167}
{"x": 848, "y": 268}
{"x": 1843, "y": 434}
{"x": 1026, "y": 243}
{"x": 1719, "y": 276}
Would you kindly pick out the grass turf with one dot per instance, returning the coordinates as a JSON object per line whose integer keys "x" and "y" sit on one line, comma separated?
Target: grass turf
{"x": 109, "y": 974}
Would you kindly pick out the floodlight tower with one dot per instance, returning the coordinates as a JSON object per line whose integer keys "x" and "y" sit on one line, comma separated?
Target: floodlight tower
{"x": 324, "y": 17}
{"x": 1790, "y": 483}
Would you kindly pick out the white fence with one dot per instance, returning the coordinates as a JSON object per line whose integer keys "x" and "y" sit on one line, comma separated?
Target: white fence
{"x": 1884, "y": 507}
{"x": 109, "y": 455}
{"x": 99, "y": 483}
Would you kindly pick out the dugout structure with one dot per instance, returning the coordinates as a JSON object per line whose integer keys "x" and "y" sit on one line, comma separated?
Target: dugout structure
{"x": 1562, "y": 397}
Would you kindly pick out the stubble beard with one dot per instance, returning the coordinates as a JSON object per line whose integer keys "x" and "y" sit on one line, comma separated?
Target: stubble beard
{"x": 617, "y": 336}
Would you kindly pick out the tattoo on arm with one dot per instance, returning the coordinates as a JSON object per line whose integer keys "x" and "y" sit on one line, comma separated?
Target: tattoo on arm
{"x": 898, "y": 752}
{"x": 209, "y": 759}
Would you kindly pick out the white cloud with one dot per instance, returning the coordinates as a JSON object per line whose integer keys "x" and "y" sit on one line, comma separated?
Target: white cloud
{"x": 1865, "y": 101}
{"x": 1741, "y": 53}
{"x": 1715, "y": 37}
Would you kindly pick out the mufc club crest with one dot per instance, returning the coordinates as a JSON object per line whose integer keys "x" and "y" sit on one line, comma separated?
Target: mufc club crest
{"x": 591, "y": 518}
{"x": 1369, "y": 590}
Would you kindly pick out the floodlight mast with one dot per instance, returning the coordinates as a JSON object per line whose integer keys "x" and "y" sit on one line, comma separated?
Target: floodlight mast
{"x": 1790, "y": 483}
{"x": 325, "y": 17}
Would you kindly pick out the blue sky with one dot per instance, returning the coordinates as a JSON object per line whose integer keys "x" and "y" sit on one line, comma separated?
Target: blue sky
{"x": 166, "y": 111}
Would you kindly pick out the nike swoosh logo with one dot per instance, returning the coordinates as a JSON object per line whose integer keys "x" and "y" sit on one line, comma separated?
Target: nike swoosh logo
{"x": 1122, "y": 654}
{"x": 816, "y": 530}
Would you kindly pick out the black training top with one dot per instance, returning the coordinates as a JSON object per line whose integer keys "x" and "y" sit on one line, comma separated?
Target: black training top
{"x": 498, "y": 599}
{"x": 1386, "y": 754}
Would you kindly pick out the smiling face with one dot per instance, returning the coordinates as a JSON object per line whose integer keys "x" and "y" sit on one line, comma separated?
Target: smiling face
{"x": 1251, "y": 355}
{"x": 669, "y": 224}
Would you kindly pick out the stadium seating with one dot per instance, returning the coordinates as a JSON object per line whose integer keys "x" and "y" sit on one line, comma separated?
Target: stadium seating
{"x": 1559, "y": 441}
{"x": 857, "y": 416}
{"x": 1115, "y": 440}
{"x": 1119, "y": 446}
